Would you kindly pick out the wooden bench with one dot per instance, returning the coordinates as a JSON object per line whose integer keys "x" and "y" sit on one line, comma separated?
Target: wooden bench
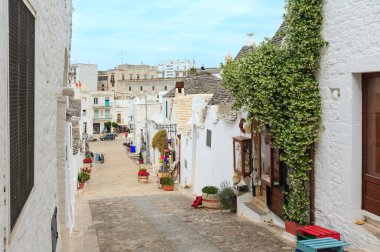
{"x": 313, "y": 245}
{"x": 319, "y": 232}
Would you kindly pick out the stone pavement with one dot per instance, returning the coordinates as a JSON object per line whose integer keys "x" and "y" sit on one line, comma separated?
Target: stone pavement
{"x": 117, "y": 213}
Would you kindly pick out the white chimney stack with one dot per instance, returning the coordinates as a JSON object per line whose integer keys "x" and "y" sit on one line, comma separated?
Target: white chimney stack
{"x": 250, "y": 41}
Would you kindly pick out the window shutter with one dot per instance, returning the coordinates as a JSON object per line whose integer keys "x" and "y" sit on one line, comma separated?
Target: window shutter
{"x": 21, "y": 105}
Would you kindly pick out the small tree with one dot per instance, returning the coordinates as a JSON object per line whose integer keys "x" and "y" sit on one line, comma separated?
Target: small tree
{"x": 192, "y": 71}
{"x": 107, "y": 125}
{"x": 115, "y": 124}
{"x": 160, "y": 141}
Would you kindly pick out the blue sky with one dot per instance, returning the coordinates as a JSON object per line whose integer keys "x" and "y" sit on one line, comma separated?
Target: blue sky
{"x": 112, "y": 32}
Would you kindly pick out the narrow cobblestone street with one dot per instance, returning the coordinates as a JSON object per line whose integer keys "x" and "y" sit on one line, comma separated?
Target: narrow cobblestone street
{"x": 117, "y": 213}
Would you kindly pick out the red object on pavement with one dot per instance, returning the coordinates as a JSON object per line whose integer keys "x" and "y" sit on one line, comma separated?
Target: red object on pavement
{"x": 319, "y": 232}
{"x": 197, "y": 202}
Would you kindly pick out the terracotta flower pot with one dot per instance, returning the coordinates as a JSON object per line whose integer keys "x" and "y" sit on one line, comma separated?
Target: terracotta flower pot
{"x": 143, "y": 179}
{"x": 211, "y": 201}
{"x": 80, "y": 185}
{"x": 168, "y": 187}
{"x": 292, "y": 227}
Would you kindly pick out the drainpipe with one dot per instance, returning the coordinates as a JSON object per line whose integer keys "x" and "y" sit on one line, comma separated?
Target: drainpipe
{"x": 312, "y": 186}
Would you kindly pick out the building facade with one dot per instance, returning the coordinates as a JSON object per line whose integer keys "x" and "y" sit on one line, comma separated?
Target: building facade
{"x": 347, "y": 162}
{"x": 108, "y": 80}
{"x": 32, "y": 213}
{"x": 101, "y": 110}
{"x": 129, "y": 88}
{"x": 84, "y": 74}
{"x": 174, "y": 68}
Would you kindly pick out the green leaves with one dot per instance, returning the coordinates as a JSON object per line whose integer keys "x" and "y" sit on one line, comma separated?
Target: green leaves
{"x": 277, "y": 85}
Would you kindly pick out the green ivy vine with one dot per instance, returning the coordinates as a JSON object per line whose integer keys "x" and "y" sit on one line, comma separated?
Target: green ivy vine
{"x": 276, "y": 85}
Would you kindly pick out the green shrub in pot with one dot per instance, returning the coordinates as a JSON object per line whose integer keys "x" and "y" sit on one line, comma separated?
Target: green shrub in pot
{"x": 210, "y": 190}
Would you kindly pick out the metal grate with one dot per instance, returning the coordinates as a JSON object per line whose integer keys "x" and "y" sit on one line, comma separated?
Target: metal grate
{"x": 21, "y": 105}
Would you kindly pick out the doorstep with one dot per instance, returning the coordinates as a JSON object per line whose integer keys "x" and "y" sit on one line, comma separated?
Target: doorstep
{"x": 251, "y": 207}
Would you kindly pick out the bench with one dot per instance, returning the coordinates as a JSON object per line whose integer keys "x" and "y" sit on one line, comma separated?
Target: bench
{"x": 319, "y": 232}
{"x": 313, "y": 245}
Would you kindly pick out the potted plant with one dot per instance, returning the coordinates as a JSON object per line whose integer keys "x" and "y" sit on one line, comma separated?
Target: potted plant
{"x": 168, "y": 184}
{"x": 143, "y": 175}
{"x": 87, "y": 160}
{"x": 141, "y": 159}
{"x": 210, "y": 197}
{"x": 82, "y": 178}
{"x": 227, "y": 199}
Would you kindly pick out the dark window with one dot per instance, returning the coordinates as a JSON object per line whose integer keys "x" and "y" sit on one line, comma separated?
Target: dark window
{"x": 141, "y": 88}
{"x": 21, "y": 105}
{"x": 130, "y": 89}
{"x": 96, "y": 100}
{"x": 102, "y": 85}
{"x": 138, "y": 76}
{"x": 166, "y": 109}
{"x": 153, "y": 88}
{"x": 130, "y": 76}
{"x": 112, "y": 77}
{"x": 113, "y": 84}
{"x": 208, "y": 138}
{"x": 166, "y": 88}
{"x": 122, "y": 77}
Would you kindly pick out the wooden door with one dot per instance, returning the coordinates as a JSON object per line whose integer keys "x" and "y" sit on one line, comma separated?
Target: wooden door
{"x": 371, "y": 143}
{"x": 276, "y": 191}
{"x": 118, "y": 118}
{"x": 272, "y": 174}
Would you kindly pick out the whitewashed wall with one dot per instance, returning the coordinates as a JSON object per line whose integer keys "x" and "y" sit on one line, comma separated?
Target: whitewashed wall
{"x": 53, "y": 35}
{"x": 352, "y": 29}
{"x": 200, "y": 164}
{"x": 88, "y": 74}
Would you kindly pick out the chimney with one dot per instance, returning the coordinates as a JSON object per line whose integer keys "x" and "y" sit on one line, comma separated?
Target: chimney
{"x": 180, "y": 87}
{"x": 250, "y": 42}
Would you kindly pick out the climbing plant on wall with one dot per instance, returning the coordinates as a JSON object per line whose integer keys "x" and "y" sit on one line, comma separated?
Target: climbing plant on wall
{"x": 276, "y": 84}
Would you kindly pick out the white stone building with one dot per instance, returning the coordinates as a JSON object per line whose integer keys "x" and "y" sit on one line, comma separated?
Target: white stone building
{"x": 121, "y": 112}
{"x": 101, "y": 109}
{"x": 347, "y": 164}
{"x": 84, "y": 74}
{"x": 174, "y": 68}
{"x": 31, "y": 161}
{"x": 143, "y": 107}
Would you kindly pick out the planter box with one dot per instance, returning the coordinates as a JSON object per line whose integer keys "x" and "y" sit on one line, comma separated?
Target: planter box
{"x": 211, "y": 201}
{"x": 163, "y": 174}
{"x": 292, "y": 227}
{"x": 168, "y": 187}
{"x": 143, "y": 179}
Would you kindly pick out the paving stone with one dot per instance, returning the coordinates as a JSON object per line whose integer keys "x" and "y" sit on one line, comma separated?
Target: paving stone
{"x": 121, "y": 214}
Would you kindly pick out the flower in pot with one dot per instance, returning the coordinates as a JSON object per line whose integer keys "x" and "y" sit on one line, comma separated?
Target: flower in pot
{"x": 143, "y": 175}
{"x": 82, "y": 178}
{"x": 210, "y": 197}
{"x": 168, "y": 184}
{"x": 87, "y": 160}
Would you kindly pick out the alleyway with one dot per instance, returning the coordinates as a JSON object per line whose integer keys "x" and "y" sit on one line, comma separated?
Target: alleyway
{"x": 117, "y": 213}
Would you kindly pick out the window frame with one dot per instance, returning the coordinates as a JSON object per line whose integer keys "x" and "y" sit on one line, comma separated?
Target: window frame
{"x": 13, "y": 227}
